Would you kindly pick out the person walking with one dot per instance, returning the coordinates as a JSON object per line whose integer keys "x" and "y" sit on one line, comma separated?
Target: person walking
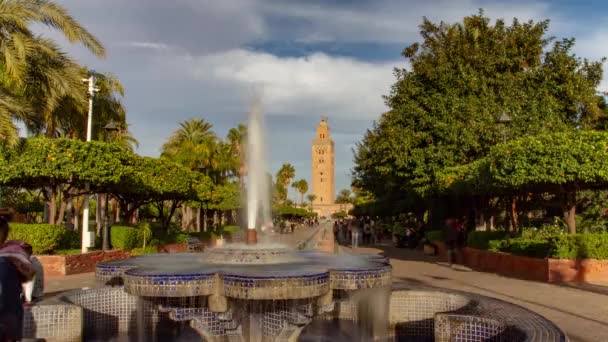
{"x": 355, "y": 231}
{"x": 453, "y": 239}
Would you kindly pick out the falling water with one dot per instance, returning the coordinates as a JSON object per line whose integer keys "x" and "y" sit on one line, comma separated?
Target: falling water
{"x": 258, "y": 186}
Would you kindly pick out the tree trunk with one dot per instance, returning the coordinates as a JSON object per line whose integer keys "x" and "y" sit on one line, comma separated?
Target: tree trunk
{"x": 205, "y": 219}
{"x": 513, "y": 214}
{"x": 52, "y": 203}
{"x": 98, "y": 215}
{"x": 569, "y": 209}
{"x": 69, "y": 217}
{"x": 198, "y": 219}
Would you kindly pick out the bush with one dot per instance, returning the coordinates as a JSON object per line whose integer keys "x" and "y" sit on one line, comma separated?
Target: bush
{"x": 434, "y": 235}
{"x": 123, "y": 237}
{"x": 579, "y": 246}
{"x": 44, "y": 238}
{"x": 535, "y": 248}
{"x": 140, "y": 251}
{"x": 70, "y": 240}
{"x": 481, "y": 239}
{"x": 231, "y": 229}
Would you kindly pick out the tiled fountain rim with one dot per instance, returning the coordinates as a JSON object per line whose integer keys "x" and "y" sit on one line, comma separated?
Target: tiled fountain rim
{"x": 536, "y": 327}
{"x": 189, "y": 274}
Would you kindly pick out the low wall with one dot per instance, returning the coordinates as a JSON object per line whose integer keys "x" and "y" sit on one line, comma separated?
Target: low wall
{"x": 546, "y": 270}
{"x": 173, "y": 248}
{"x": 61, "y": 265}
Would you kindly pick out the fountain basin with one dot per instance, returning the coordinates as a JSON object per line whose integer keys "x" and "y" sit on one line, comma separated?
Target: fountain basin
{"x": 245, "y": 273}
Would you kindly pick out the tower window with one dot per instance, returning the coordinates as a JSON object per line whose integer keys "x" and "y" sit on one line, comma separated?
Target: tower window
{"x": 321, "y": 180}
{"x": 321, "y": 199}
{"x": 321, "y": 173}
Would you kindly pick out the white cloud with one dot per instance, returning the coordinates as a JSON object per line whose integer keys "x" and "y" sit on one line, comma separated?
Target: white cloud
{"x": 314, "y": 84}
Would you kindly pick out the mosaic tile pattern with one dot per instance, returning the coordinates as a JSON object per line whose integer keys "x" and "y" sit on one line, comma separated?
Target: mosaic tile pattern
{"x": 165, "y": 285}
{"x": 361, "y": 279}
{"x": 464, "y": 328}
{"x": 276, "y": 287}
{"x": 61, "y": 322}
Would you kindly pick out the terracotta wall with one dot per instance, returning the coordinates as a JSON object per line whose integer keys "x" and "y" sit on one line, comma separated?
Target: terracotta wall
{"x": 546, "y": 270}
{"x": 173, "y": 248}
{"x": 60, "y": 265}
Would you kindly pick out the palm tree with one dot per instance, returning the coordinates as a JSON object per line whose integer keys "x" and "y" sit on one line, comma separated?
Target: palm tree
{"x": 302, "y": 187}
{"x": 34, "y": 74}
{"x": 17, "y": 41}
{"x": 285, "y": 175}
{"x": 236, "y": 137}
{"x": 311, "y": 198}
{"x": 192, "y": 145}
{"x": 344, "y": 197}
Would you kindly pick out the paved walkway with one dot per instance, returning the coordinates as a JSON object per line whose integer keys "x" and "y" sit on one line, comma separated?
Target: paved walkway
{"x": 581, "y": 313}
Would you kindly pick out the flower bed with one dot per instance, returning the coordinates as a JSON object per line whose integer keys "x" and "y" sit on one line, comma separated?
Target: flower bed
{"x": 61, "y": 265}
{"x": 539, "y": 269}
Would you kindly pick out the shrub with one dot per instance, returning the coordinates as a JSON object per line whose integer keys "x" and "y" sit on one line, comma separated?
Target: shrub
{"x": 579, "y": 246}
{"x": 141, "y": 250}
{"x": 44, "y": 238}
{"x": 70, "y": 240}
{"x": 535, "y": 248}
{"x": 481, "y": 239}
{"x": 123, "y": 237}
{"x": 434, "y": 235}
{"x": 231, "y": 229}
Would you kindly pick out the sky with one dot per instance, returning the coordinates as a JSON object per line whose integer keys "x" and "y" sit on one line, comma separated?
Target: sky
{"x": 184, "y": 59}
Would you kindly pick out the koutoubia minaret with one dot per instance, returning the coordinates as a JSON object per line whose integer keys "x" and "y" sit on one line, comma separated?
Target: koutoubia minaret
{"x": 323, "y": 165}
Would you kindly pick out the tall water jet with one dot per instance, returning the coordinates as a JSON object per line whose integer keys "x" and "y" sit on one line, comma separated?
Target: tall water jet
{"x": 258, "y": 187}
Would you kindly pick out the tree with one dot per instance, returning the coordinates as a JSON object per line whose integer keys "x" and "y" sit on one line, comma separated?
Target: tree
{"x": 29, "y": 59}
{"x": 236, "y": 138}
{"x": 560, "y": 163}
{"x": 443, "y": 109}
{"x": 61, "y": 167}
{"x": 311, "y": 198}
{"x": 344, "y": 197}
{"x": 192, "y": 145}
{"x": 302, "y": 187}
{"x": 284, "y": 177}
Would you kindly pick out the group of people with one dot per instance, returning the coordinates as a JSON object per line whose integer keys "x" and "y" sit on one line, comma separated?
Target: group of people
{"x": 356, "y": 230}
{"x": 21, "y": 283}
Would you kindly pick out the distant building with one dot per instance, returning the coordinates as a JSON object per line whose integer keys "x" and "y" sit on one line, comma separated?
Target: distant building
{"x": 323, "y": 174}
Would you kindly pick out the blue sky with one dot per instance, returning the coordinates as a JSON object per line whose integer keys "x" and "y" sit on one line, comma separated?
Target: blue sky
{"x": 182, "y": 59}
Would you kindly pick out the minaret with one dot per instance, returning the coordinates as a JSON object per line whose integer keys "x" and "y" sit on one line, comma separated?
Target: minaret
{"x": 323, "y": 165}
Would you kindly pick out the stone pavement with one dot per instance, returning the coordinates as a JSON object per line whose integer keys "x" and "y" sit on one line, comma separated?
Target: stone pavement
{"x": 581, "y": 312}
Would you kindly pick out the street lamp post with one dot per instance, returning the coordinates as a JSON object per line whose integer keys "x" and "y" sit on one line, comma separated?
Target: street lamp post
{"x": 110, "y": 127}
{"x": 203, "y": 169}
{"x": 85, "y": 242}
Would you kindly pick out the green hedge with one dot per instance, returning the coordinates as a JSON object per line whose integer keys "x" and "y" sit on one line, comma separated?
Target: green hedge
{"x": 123, "y": 237}
{"x": 481, "y": 239}
{"x": 231, "y": 229}
{"x": 535, "y": 248}
{"x": 579, "y": 246}
{"x": 44, "y": 238}
{"x": 434, "y": 235}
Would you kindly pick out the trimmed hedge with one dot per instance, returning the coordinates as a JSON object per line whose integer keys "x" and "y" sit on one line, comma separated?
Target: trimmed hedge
{"x": 231, "y": 229}
{"x": 535, "y": 248}
{"x": 434, "y": 235}
{"x": 123, "y": 237}
{"x": 44, "y": 238}
{"x": 579, "y": 246}
{"x": 481, "y": 239}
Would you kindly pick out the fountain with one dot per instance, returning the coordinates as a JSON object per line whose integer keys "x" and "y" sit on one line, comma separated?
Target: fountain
{"x": 263, "y": 291}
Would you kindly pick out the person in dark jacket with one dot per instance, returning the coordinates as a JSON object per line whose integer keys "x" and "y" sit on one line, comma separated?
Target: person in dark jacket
{"x": 452, "y": 239}
{"x": 15, "y": 269}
